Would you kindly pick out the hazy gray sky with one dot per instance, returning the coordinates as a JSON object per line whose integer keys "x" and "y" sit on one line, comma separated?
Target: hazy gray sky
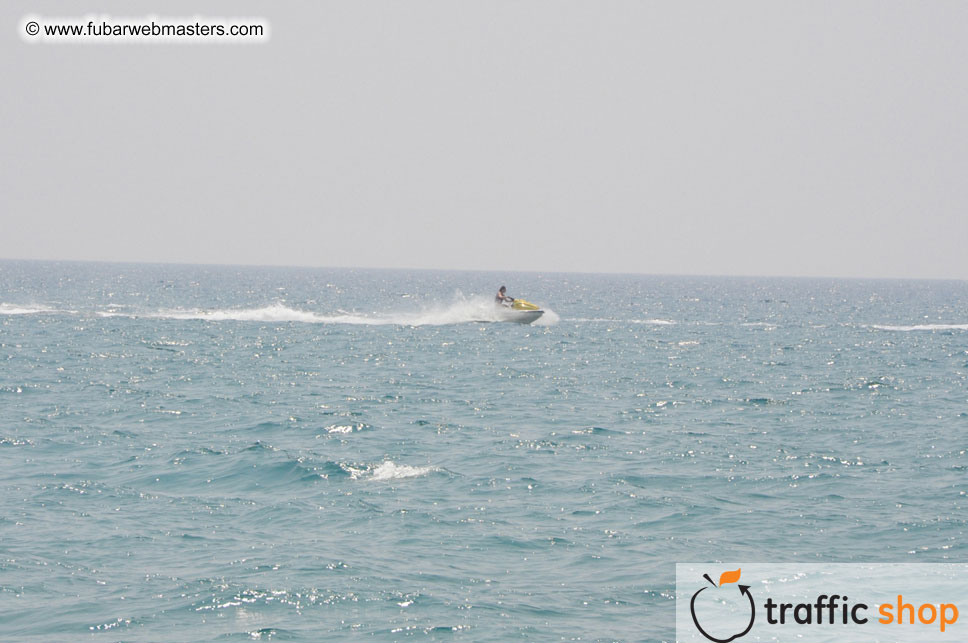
{"x": 742, "y": 138}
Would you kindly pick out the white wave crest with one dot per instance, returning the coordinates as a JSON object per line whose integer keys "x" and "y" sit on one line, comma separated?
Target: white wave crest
{"x": 605, "y": 320}
{"x": 273, "y": 313}
{"x": 550, "y": 318}
{"x": 653, "y": 322}
{"x": 921, "y": 327}
{"x": 392, "y": 471}
{"x": 13, "y": 309}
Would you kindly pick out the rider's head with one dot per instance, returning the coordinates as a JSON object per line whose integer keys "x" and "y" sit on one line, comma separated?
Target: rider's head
{"x": 502, "y": 289}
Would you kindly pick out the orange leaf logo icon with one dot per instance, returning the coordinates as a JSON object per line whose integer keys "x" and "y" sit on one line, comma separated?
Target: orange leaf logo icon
{"x": 729, "y": 577}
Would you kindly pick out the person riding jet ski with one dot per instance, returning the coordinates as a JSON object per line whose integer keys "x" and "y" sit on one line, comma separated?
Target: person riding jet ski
{"x": 501, "y": 299}
{"x": 514, "y": 310}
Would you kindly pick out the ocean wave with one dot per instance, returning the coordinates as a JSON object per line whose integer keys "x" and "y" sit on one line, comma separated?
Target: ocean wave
{"x": 273, "y": 313}
{"x": 550, "y": 318}
{"x": 383, "y": 471}
{"x": 13, "y": 309}
{"x": 605, "y": 320}
{"x": 346, "y": 428}
{"x": 920, "y": 327}
{"x": 389, "y": 470}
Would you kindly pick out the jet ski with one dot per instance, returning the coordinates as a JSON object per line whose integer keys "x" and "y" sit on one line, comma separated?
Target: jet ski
{"x": 519, "y": 312}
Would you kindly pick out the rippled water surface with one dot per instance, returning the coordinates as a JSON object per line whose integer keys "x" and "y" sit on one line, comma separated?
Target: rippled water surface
{"x": 209, "y": 453}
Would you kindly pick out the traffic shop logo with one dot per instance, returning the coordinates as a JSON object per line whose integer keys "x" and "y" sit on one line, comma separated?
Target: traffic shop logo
{"x": 707, "y": 603}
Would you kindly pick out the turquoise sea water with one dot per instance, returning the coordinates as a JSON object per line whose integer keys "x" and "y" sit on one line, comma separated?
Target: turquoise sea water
{"x": 219, "y": 453}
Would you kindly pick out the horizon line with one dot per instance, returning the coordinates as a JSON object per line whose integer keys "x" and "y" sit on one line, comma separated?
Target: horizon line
{"x": 476, "y": 270}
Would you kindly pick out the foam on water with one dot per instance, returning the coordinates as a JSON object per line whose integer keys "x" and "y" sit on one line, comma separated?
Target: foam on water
{"x": 392, "y": 471}
{"x": 608, "y": 320}
{"x": 550, "y": 318}
{"x": 386, "y": 470}
{"x": 905, "y": 329}
{"x": 12, "y": 309}
{"x": 276, "y": 313}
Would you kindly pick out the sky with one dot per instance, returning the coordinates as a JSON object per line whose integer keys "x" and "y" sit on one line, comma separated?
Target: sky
{"x": 743, "y": 138}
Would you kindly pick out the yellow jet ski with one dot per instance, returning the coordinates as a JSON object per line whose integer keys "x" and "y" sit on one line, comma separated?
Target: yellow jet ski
{"x": 519, "y": 312}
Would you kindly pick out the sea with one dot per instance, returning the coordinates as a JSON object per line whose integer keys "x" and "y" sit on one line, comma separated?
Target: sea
{"x": 218, "y": 453}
